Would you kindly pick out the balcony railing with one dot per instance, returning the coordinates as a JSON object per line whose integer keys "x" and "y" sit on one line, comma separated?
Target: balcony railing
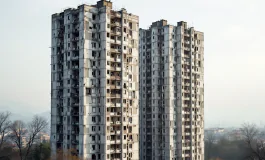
{"x": 115, "y": 24}
{"x": 115, "y": 95}
{"x": 75, "y": 104}
{"x": 114, "y": 50}
{"x": 115, "y": 14}
{"x": 75, "y": 58}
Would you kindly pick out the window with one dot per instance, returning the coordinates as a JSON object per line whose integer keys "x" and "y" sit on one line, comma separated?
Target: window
{"x": 88, "y": 91}
{"x": 93, "y": 109}
{"x": 93, "y": 138}
{"x": 93, "y": 119}
{"x": 107, "y": 34}
{"x": 93, "y": 128}
{"x": 93, "y": 16}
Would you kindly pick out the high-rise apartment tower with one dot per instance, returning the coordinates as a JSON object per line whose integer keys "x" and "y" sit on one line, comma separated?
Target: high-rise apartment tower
{"x": 171, "y": 92}
{"x": 94, "y": 82}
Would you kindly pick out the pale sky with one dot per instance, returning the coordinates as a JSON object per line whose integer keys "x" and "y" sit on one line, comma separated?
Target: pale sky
{"x": 234, "y": 54}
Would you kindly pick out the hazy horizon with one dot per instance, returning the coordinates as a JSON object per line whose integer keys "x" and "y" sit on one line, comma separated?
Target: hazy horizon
{"x": 234, "y": 36}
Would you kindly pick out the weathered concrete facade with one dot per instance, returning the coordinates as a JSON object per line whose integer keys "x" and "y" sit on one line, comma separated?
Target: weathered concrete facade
{"x": 94, "y": 84}
{"x": 171, "y": 92}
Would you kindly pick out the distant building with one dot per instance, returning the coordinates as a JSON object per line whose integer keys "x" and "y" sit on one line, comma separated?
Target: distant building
{"x": 235, "y": 135}
{"x": 215, "y": 130}
{"x": 42, "y": 138}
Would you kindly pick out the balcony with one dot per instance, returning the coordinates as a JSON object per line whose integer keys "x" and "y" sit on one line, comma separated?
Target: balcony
{"x": 115, "y": 95}
{"x": 110, "y": 105}
{"x": 111, "y": 67}
{"x": 112, "y": 132}
{"x": 114, "y": 50}
{"x": 112, "y": 113}
{"x": 75, "y": 132}
{"x": 118, "y": 68}
{"x": 115, "y": 24}
{"x": 75, "y": 104}
{"x": 186, "y": 49}
{"x": 112, "y": 59}
{"x": 75, "y": 113}
{"x": 75, "y": 67}
{"x": 74, "y": 94}
{"x": 115, "y": 33}
{"x": 75, "y": 58}
{"x": 59, "y": 87}
{"x": 115, "y": 77}
{"x": 186, "y": 98}
{"x": 75, "y": 142}
{"x": 60, "y": 122}
{"x": 75, "y": 21}
{"x": 75, "y": 39}
{"x": 60, "y": 131}
{"x": 118, "y": 60}
{"x": 118, "y": 42}
{"x": 118, "y": 150}
{"x": 116, "y": 123}
{"x": 60, "y": 44}
{"x": 115, "y": 14}
{"x": 112, "y": 86}
{"x": 75, "y": 123}
{"x": 186, "y": 62}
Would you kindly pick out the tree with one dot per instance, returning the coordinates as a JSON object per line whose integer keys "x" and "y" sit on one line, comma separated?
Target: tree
{"x": 252, "y": 138}
{"x": 210, "y": 137}
{"x": 24, "y": 135}
{"x": 41, "y": 151}
{"x": 4, "y": 126}
{"x": 17, "y": 133}
{"x": 67, "y": 154}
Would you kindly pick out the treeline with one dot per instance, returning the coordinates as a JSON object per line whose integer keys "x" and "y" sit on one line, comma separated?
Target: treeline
{"x": 20, "y": 140}
{"x": 250, "y": 146}
{"x": 226, "y": 150}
